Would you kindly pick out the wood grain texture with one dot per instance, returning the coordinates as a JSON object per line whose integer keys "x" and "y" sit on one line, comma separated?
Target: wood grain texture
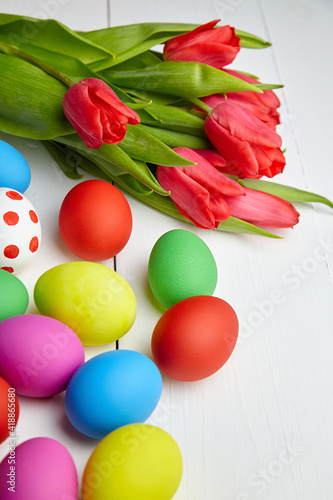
{"x": 261, "y": 428}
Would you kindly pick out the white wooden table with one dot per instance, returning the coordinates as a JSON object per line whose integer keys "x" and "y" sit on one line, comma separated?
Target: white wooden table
{"x": 261, "y": 428}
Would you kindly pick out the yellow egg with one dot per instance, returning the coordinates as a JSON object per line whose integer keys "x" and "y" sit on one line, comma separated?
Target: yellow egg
{"x": 93, "y": 300}
{"x": 137, "y": 461}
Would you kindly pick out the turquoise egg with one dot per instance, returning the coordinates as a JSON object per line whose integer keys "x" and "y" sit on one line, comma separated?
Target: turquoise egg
{"x": 14, "y": 169}
{"x": 112, "y": 389}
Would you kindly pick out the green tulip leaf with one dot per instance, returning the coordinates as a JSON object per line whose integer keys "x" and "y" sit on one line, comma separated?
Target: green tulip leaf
{"x": 234, "y": 225}
{"x": 178, "y": 119}
{"x": 138, "y": 62}
{"x": 67, "y": 159}
{"x": 286, "y": 192}
{"x": 177, "y": 139}
{"x": 132, "y": 185}
{"x": 51, "y": 35}
{"x": 250, "y": 41}
{"x": 155, "y": 97}
{"x": 72, "y": 67}
{"x": 31, "y": 101}
{"x": 188, "y": 79}
{"x": 113, "y": 161}
{"x": 141, "y": 145}
{"x": 120, "y": 39}
{"x": 138, "y": 105}
{"x": 268, "y": 86}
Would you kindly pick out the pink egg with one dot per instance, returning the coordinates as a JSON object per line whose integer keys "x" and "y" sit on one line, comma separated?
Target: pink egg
{"x": 20, "y": 231}
{"x": 38, "y": 354}
{"x": 38, "y": 469}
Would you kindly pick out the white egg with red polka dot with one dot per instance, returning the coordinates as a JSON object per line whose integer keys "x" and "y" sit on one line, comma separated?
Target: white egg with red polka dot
{"x": 20, "y": 231}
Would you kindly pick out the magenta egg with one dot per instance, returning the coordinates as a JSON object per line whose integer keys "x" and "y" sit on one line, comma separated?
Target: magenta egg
{"x": 38, "y": 354}
{"x": 40, "y": 468}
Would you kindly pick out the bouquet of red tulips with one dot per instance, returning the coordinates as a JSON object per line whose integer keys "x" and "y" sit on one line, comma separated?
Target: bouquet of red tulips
{"x": 177, "y": 130}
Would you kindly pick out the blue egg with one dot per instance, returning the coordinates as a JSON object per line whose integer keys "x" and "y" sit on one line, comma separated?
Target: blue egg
{"x": 14, "y": 169}
{"x": 112, "y": 389}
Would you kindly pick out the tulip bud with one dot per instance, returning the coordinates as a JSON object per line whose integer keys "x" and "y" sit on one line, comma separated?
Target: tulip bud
{"x": 244, "y": 140}
{"x": 216, "y": 47}
{"x": 197, "y": 191}
{"x": 97, "y": 113}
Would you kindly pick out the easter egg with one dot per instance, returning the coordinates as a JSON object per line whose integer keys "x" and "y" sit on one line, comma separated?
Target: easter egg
{"x": 14, "y": 169}
{"x": 95, "y": 301}
{"x": 95, "y": 220}
{"x": 180, "y": 266}
{"x": 9, "y": 410}
{"x": 112, "y": 389}
{"x": 38, "y": 355}
{"x": 194, "y": 338}
{"x": 137, "y": 461}
{"x": 38, "y": 469}
{"x": 14, "y": 297}
{"x": 20, "y": 231}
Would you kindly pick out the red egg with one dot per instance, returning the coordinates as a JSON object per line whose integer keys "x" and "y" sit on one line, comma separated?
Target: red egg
{"x": 194, "y": 338}
{"x": 95, "y": 220}
{"x": 9, "y": 410}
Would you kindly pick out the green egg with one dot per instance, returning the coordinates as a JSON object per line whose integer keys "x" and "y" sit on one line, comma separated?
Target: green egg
{"x": 14, "y": 298}
{"x": 180, "y": 266}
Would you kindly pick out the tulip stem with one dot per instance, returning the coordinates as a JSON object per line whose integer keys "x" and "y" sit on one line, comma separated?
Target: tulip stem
{"x": 14, "y": 51}
{"x": 201, "y": 105}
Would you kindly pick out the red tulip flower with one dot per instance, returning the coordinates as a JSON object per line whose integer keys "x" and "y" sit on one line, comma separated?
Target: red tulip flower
{"x": 263, "y": 209}
{"x": 244, "y": 140}
{"x": 97, "y": 113}
{"x": 213, "y": 46}
{"x": 198, "y": 190}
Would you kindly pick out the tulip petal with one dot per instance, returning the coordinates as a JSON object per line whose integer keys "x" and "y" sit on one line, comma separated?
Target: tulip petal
{"x": 220, "y": 209}
{"x": 244, "y": 125}
{"x": 206, "y": 175}
{"x": 263, "y": 209}
{"x": 208, "y": 222}
{"x": 213, "y": 156}
{"x": 191, "y": 199}
{"x": 77, "y": 108}
{"x": 177, "y": 41}
{"x": 265, "y": 114}
{"x": 212, "y": 53}
{"x": 271, "y": 161}
{"x": 267, "y": 98}
{"x": 106, "y": 97}
{"x": 216, "y": 47}
{"x": 233, "y": 149}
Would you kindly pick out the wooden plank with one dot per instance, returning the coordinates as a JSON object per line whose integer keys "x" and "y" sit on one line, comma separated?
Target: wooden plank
{"x": 83, "y": 15}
